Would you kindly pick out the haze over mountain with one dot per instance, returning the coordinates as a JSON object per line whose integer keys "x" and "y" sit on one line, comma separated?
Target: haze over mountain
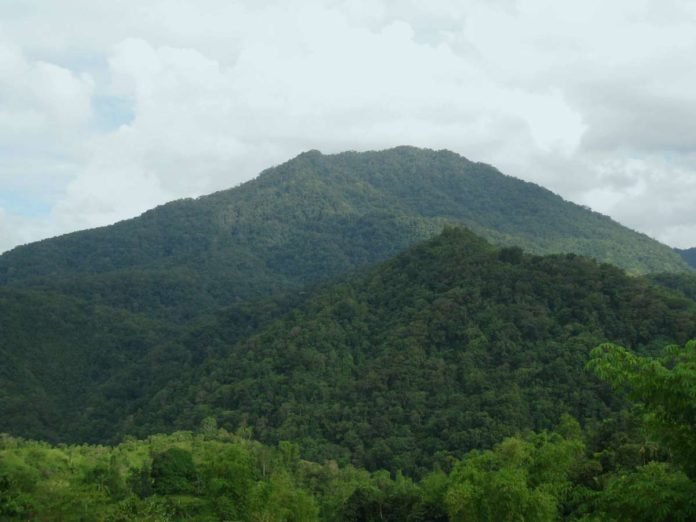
{"x": 689, "y": 255}
{"x": 311, "y": 218}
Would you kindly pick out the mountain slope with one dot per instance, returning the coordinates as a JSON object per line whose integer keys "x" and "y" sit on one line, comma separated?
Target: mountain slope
{"x": 689, "y": 255}
{"x": 56, "y": 352}
{"x": 311, "y": 218}
{"x": 451, "y": 345}
{"x": 682, "y": 284}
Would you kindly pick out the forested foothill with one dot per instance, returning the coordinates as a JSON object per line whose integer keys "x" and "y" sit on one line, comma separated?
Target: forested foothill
{"x": 635, "y": 465}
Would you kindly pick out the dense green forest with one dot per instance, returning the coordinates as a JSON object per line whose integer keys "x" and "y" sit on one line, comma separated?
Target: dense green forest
{"x": 689, "y": 255}
{"x": 450, "y": 346}
{"x": 312, "y": 218}
{"x": 327, "y": 342}
{"x": 637, "y": 465}
{"x": 74, "y": 370}
{"x": 59, "y": 353}
{"x": 683, "y": 284}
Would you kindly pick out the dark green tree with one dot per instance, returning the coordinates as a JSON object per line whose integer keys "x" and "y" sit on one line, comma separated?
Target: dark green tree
{"x": 173, "y": 472}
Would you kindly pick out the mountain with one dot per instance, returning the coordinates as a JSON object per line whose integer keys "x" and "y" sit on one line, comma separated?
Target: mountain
{"x": 57, "y": 353}
{"x": 681, "y": 284}
{"x": 451, "y": 345}
{"x": 689, "y": 255}
{"x": 310, "y": 219}
{"x": 261, "y": 310}
{"x": 75, "y": 371}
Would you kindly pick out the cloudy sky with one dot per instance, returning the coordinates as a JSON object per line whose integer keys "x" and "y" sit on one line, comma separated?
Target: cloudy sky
{"x": 109, "y": 108}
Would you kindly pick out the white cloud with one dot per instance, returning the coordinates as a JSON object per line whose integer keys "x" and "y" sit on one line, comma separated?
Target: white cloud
{"x": 593, "y": 100}
{"x": 40, "y": 101}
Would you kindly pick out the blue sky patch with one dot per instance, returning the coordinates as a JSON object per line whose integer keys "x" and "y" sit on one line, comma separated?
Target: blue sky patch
{"x": 110, "y": 112}
{"x": 25, "y": 205}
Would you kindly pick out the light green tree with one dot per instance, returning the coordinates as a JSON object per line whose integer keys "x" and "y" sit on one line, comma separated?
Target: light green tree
{"x": 665, "y": 387}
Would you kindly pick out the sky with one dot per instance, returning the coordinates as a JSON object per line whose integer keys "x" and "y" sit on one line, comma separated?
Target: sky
{"x": 110, "y": 108}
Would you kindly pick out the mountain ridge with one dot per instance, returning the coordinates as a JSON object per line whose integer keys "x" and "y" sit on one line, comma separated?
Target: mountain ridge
{"x": 688, "y": 254}
{"x": 312, "y": 218}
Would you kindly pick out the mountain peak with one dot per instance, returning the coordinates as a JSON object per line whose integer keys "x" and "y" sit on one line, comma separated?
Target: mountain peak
{"x": 318, "y": 216}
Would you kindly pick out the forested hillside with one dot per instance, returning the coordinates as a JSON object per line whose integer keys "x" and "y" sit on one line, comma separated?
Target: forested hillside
{"x": 56, "y": 354}
{"x": 689, "y": 255}
{"x": 74, "y": 371}
{"x": 450, "y": 346}
{"x": 683, "y": 284}
{"x": 389, "y": 363}
{"x": 311, "y": 218}
{"x": 624, "y": 468}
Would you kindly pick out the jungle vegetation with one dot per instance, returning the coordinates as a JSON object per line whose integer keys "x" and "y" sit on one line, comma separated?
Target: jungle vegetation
{"x": 395, "y": 335}
{"x": 637, "y": 465}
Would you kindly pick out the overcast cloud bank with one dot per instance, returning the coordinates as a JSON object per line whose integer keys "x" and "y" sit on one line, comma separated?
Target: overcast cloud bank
{"x": 110, "y": 108}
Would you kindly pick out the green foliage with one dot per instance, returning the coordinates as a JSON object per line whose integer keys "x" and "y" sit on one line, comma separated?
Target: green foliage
{"x": 652, "y": 493}
{"x": 683, "y": 284}
{"x": 236, "y": 479}
{"x": 666, "y": 387}
{"x": 517, "y": 480}
{"x": 173, "y": 472}
{"x": 450, "y": 346}
{"x": 222, "y": 477}
{"x": 61, "y": 376}
{"x": 545, "y": 476}
{"x": 176, "y": 477}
